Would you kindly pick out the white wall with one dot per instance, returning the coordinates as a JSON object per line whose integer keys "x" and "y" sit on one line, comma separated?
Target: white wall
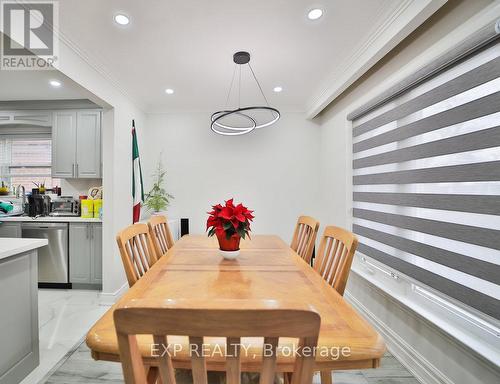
{"x": 77, "y": 187}
{"x": 415, "y": 344}
{"x": 273, "y": 171}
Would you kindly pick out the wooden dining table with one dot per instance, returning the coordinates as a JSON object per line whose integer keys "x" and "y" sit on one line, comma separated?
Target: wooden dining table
{"x": 266, "y": 274}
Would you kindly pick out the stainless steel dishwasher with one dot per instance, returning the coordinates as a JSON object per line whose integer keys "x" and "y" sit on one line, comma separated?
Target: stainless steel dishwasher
{"x": 53, "y": 258}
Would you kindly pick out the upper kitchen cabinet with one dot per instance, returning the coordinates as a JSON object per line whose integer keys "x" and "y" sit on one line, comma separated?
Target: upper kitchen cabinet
{"x": 76, "y": 144}
{"x": 38, "y": 118}
{"x": 64, "y": 144}
{"x": 88, "y": 144}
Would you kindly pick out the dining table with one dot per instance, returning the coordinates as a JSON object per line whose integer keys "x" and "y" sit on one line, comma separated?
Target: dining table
{"x": 266, "y": 274}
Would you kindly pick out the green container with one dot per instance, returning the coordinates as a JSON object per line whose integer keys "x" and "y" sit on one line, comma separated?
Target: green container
{"x": 7, "y": 207}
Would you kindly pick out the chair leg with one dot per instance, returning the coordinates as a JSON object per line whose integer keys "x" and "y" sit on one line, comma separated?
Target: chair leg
{"x": 287, "y": 377}
{"x": 154, "y": 375}
{"x": 326, "y": 377}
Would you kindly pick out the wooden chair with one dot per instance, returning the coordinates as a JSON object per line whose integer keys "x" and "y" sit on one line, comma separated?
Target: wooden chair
{"x": 161, "y": 235}
{"x": 137, "y": 251}
{"x": 231, "y": 323}
{"x": 333, "y": 263}
{"x": 304, "y": 237}
{"x": 335, "y": 255}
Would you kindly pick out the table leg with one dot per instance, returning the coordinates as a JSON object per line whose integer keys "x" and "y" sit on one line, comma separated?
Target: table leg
{"x": 326, "y": 377}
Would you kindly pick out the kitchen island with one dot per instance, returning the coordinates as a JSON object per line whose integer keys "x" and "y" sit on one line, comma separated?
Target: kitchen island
{"x": 19, "y": 353}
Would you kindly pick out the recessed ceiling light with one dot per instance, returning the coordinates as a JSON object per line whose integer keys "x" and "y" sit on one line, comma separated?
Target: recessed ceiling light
{"x": 55, "y": 83}
{"x": 315, "y": 14}
{"x": 122, "y": 19}
{"x": 169, "y": 91}
{"x": 277, "y": 89}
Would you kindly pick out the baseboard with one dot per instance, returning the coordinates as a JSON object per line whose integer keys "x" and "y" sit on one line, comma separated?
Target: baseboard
{"x": 110, "y": 298}
{"x": 415, "y": 362}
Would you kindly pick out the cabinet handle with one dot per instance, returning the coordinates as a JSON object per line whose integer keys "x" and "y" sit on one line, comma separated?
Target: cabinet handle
{"x": 91, "y": 231}
{"x": 76, "y": 172}
{"x": 87, "y": 232}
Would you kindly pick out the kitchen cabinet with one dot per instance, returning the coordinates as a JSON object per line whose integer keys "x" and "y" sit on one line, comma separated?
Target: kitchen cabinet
{"x": 10, "y": 229}
{"x": 39, "y": 118}
{"x": 88, "y": 144}
{"x": 79, "y": 253}
{"x": 76, "y": 144}
{"x": 64, "y": 144}
{"x": 85, "y": 253}
{"x": 96, "y": 256}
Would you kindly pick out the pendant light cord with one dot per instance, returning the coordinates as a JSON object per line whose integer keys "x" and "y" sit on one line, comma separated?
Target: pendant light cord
{"x": 239, "y": 90}
{"x": 258, "y": 84}
{"x": 230, "y": 87}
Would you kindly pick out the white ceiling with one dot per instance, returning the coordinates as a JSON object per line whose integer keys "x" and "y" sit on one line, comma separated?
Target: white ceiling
{"x": 34, "y": 85}
{"x": 187, "y": 45}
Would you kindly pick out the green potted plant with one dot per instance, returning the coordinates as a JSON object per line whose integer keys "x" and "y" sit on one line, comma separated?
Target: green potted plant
{"x": 158, "y": 199}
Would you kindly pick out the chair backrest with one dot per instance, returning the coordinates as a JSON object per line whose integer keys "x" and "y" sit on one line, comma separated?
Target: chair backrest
{"x": 137, "y": 251}
{"x": 233, "y": 324}
{"x": 304, "y": 237}
{"x": 161, "y": 235}
{"x": 334, "y": 258}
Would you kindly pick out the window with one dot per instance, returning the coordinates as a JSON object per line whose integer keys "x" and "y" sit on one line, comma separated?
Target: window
{"x": 426, "y": 180}
{"x": 26, "y": 161}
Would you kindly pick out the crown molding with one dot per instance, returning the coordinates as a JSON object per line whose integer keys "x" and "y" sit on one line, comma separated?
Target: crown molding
{"x": 403, "y": 20}
{"x": 99, "y": 67}
{"x": 209, "y": 111}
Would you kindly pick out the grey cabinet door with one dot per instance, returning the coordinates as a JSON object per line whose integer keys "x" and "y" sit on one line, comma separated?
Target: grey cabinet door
{"x": 96, "y": 259}
{"x": 64, "y": 144}
{"x": 88, "y": 144}
{"x": 42, "y": 118}
{"x": 10, "y": 229}
{"x": 80, "y": 251}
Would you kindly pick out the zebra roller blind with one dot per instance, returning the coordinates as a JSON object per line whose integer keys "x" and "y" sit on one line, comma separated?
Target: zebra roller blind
{"x": 426, "y": 175}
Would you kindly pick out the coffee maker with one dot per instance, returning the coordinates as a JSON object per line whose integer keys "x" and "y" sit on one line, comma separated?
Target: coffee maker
{"x": 39, "y": 205}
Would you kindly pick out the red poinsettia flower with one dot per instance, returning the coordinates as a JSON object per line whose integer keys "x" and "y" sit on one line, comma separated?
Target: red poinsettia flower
{"x": 229, "y": 219}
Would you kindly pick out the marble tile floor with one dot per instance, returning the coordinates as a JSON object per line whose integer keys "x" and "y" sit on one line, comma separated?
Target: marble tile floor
{"x": 64, "y": 317}
{"x": 79, "y": 368}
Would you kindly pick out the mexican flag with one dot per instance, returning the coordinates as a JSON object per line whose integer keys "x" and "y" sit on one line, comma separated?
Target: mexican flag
{"x": 137, "y": 188}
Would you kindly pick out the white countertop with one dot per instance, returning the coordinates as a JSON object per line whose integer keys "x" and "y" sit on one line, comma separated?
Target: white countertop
{"x": 49, "y": 219}
{"x": 14, "y": 246}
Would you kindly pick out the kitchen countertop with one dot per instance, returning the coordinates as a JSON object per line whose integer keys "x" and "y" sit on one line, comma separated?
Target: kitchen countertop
{"x": 14, "y": 246}
{"x": 49, "y": 219}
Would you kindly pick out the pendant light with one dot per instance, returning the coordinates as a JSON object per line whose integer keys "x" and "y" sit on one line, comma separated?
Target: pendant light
{"x": 220, "y": 120}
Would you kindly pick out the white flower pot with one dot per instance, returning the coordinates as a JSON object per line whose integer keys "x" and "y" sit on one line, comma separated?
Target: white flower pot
{"x": 159, "y": 213}
{"x": 229, "y": 255}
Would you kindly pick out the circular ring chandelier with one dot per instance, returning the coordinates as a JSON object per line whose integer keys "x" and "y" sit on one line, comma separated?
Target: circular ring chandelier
{"x": 218, "y": 124}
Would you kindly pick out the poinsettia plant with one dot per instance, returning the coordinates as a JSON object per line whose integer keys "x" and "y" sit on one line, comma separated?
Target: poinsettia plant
{"x": 229, "y": 219}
